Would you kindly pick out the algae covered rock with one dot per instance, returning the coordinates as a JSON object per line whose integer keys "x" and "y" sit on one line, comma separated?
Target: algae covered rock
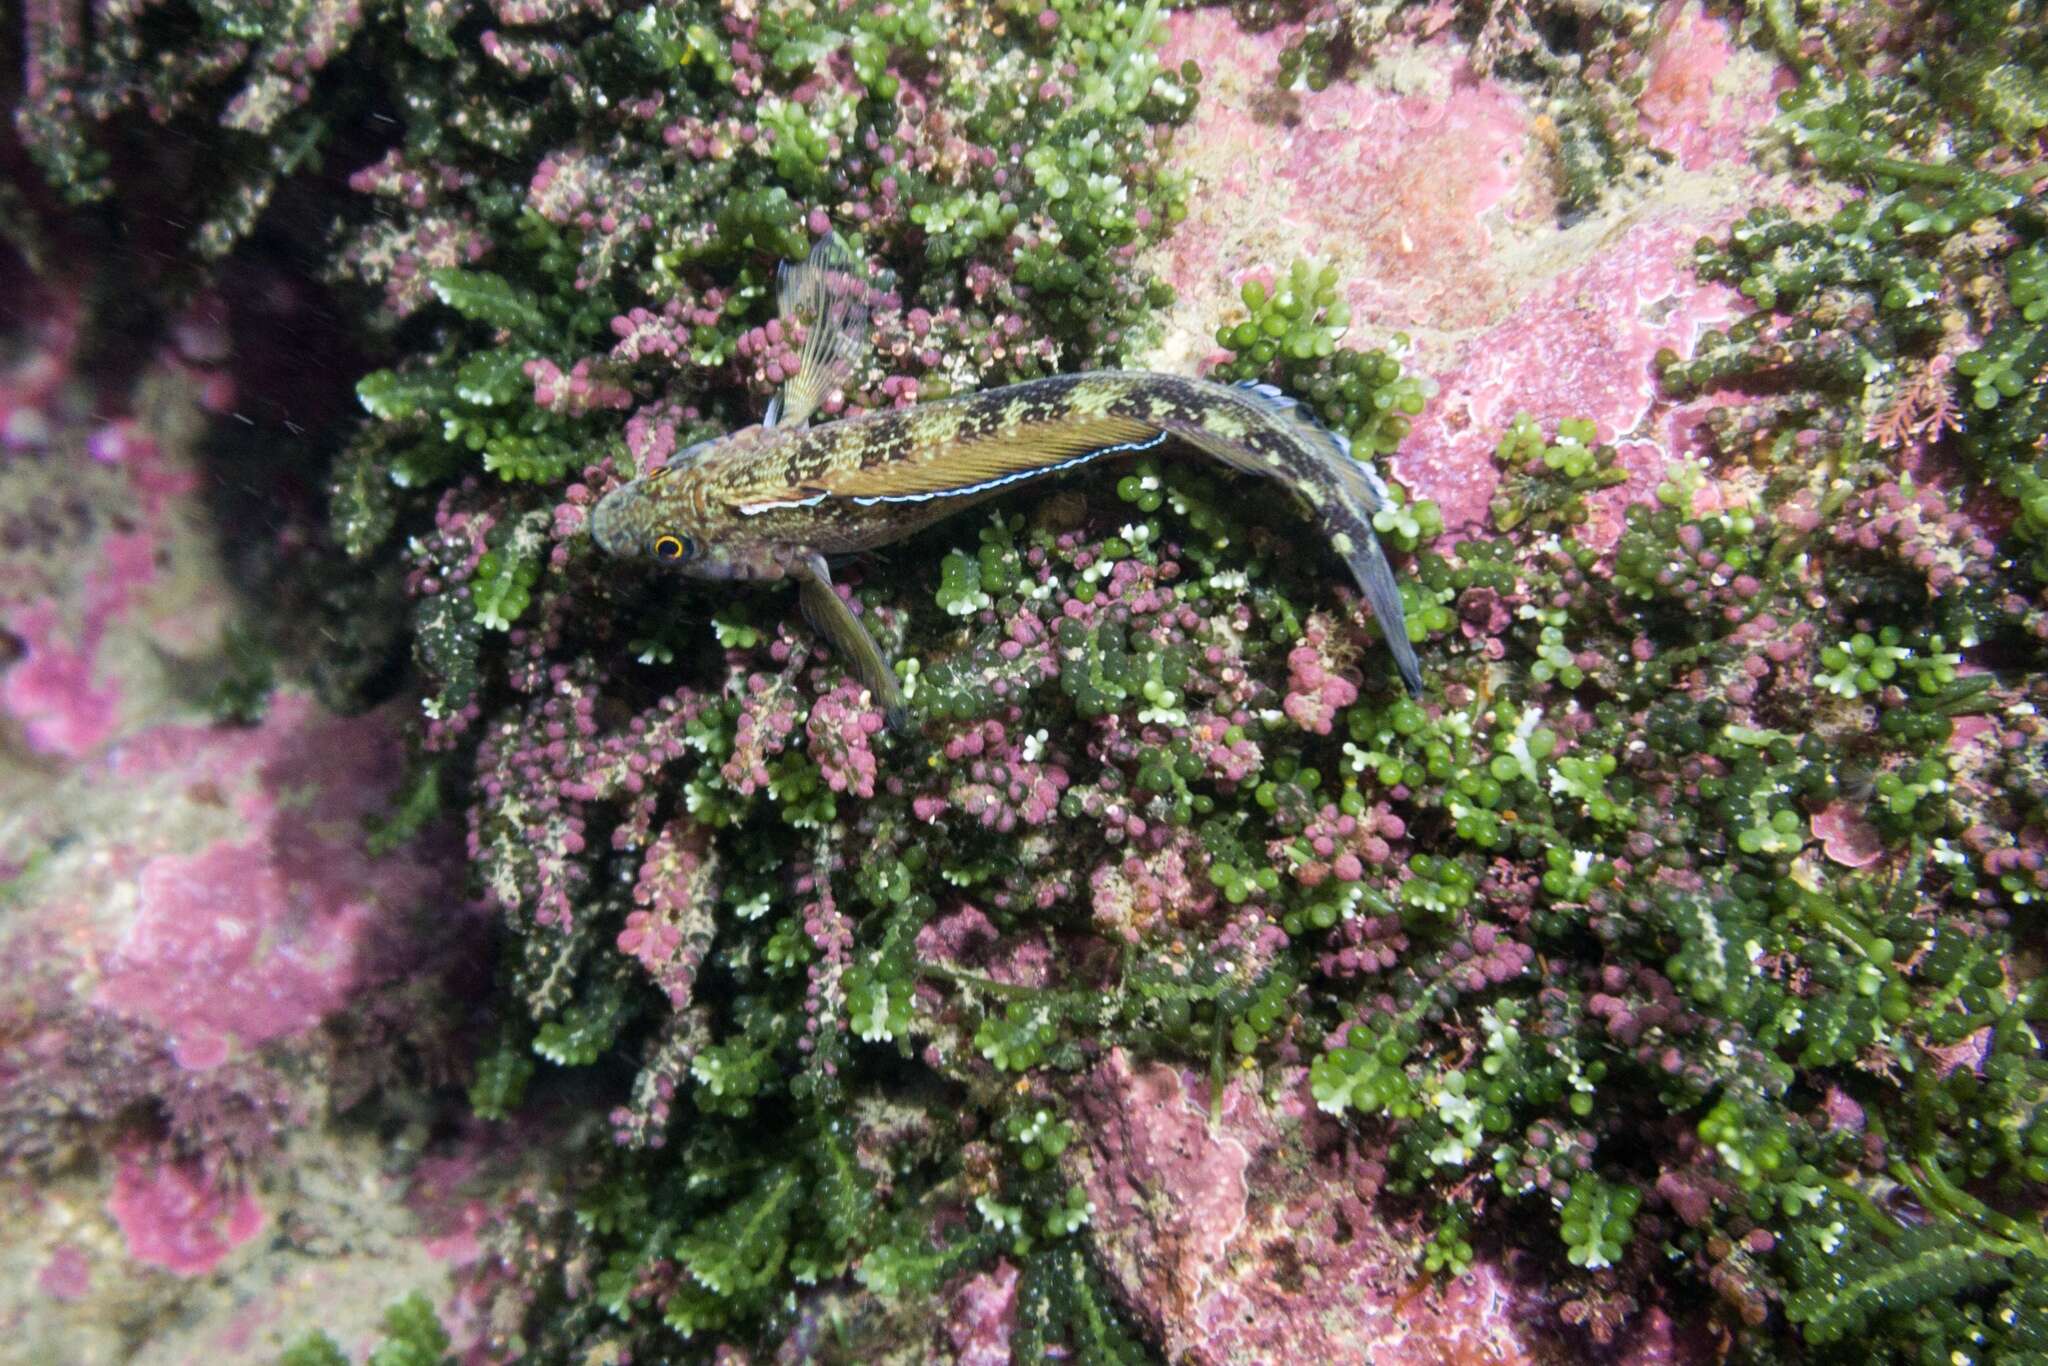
{"x": 1661, "y": 984}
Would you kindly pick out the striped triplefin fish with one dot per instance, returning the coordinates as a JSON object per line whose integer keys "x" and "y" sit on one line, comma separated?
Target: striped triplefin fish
{"x": 775, "y": 500}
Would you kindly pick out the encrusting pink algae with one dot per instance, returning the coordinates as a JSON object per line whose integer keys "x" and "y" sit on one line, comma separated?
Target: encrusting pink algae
{"x": 424, "y": 937}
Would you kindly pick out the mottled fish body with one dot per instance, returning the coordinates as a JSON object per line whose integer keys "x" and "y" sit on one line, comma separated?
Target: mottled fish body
{"x": 772, "y": 501}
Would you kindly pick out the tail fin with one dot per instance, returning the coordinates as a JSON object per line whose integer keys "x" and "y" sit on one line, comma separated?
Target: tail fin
{"x": 1287, "y": 443}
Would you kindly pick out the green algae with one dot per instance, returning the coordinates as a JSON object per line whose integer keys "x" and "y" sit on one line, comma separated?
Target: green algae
{"x": 1600, "y": 780}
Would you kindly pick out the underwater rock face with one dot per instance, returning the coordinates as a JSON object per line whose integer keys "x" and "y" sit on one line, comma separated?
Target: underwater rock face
{"x": 1435, "y": 193}
{"x": 188, "y": 915}
{"x": 175, "y": 1218}
{"x": 90, "y": 511}
{"x": 1661, "y": 985}
{"x": 1251, "y": 1237}
{"x": 1412, "y": 181}
{"x": 261, "y": 934}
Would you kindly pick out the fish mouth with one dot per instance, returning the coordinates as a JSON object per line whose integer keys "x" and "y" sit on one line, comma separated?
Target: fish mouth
{"x": 611, "y": 522}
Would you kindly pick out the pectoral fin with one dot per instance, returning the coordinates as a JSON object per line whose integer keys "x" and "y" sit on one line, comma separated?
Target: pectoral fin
{"x": 827, "y": 295}
{"x": 1369, "y": 566}
{"x": 1343, "y": 492}
{"x": 832, "y": 619}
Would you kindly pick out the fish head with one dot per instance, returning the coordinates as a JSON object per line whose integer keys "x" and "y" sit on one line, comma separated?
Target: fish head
{"x": 630, "y": 523}
{"x": 661, "y": 517}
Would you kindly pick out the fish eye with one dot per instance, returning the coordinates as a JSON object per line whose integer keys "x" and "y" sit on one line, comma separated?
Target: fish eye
{"x": 669, "y": 546}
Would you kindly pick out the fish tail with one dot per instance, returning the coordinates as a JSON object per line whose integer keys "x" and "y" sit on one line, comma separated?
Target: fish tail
{"x": 1260, "y": 430}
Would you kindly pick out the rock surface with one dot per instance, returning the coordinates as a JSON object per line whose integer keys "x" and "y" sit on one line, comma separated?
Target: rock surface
{"x": 202, "y": 968}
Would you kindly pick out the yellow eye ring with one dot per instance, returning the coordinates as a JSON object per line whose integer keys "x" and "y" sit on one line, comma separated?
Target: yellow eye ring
{"x": 671, "y": 547}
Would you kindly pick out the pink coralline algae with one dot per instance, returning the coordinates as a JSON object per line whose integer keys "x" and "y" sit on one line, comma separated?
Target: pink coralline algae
{"x": 198, "y": 957}
{"x": 651, "y": 432}
{"x": 257, "y": 936}
{"x": 841, "y": 731}
{"x": 1698, "y": 102}
{"x": 830, "y": 930}
{"x": 1846, "y": 836}
{"x": 1692, "y": 1191}
{"x": 994, "y": 782}
{"x": 65, "y": 703}
{"x": 1232, "y": 1249}
{"x": 1951, "y": 549}
{"x": 1639, "y": 1002}
{"x": 1365, "y": 944}
{"x": 676, "y": 893}
{"x": 2022, "y": 858}
{"x": 1143, "y": 893}
{"x": 765, "y": 728}
{"x": 960, "y": 936}
{"x": 552, "y": 752}
{"x": 284, "y": 69}
{"x": 51, "y": 691}
{"x": 401, "y": 258}
{"x": 1967, "y": 1053}
{"x": 579, "y": 390}
{"x": 1488, "y": 958}
{"x": 1584, "y": 345}
{"x": 67, "y": 1275}
{"x": 983, "y": 1312}
{"x": 173, "y": 1218}
{"x": 1340, "y": 845}
{"x": 91, "y": 510}
{"x": 1405, "y": 191}
{"x": 1427, "y": 201}
{"x": 47, "y": 327}
{"x": 1317, "y": 686}
{"x": 967, "y": 938}
{"x": 642, "y": 333}
{"x": 445, "y": 1191}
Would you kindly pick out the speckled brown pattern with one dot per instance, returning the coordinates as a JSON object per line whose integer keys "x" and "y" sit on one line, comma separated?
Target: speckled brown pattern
{"x": 763, "y": 502}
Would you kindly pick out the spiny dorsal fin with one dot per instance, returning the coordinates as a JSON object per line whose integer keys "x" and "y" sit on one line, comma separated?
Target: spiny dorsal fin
{"x": 828, "y": 295}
